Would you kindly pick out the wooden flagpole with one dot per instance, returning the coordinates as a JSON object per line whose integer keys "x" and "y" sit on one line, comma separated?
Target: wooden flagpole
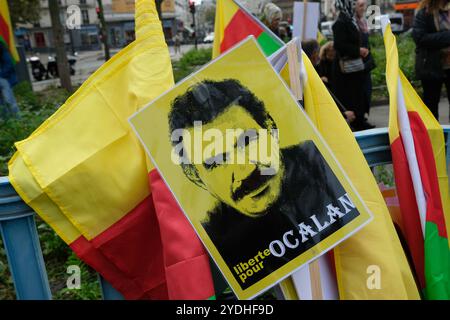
{"x": 297, "y": 90}
{"x": 305, "y": 17}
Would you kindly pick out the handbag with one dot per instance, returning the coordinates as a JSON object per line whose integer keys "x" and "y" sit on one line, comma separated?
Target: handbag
{"x": 351, "y": 65}
{"x": 369, "y": 63}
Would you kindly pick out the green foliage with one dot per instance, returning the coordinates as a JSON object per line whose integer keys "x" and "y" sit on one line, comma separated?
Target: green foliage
{"x": 384, "y": 174}
{"x": 191, "y": 61}
{"x": 24, "y": 11}
{"x": 52, "y": 245}
{"x": 406, "y": 48}
{"x": 90, "y": 287}
{"x": 58, "y": 256}
{"x": 6, "y": 284}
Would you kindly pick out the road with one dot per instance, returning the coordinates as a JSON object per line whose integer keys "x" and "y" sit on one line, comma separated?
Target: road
{"x": 89, "y": 61}
{"x": 379, "y": 116}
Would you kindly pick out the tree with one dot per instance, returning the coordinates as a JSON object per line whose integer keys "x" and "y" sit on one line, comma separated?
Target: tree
{"x": 23, "y": 11}
{"x": 210, "y": 15}
{"x": 103, "y": 30}
{"x": 58, "y": 37}
{"x": 158, "y": 8}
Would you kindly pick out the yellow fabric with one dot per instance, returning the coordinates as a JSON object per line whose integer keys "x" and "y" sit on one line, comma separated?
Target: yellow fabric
{"x": 377, "y": 243}
{"x": 284, "y": 73}
{"x": 40, "y": 202}
{"x": 4, "y": 12}
{"x": 288, "y": 288}
{"x": 225, "y": 10}
{"x": 85, "y": 160}
{"x": 392, "y": 69}
{"x": 415, "y": 104}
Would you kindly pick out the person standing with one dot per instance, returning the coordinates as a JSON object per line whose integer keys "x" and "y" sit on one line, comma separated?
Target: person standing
{"x": 8, "y": 79}
{"x": 312, "y": 49}
{"x": 431, "y": 33}
{"x": 349, "y": 65}
{"x": 177, "y": 43}
{"x": 327, "y": 55}
{"x": 271, "y": 17}
{"x": 369, "y": 62}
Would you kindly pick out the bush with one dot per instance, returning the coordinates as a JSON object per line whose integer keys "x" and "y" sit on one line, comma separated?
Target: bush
{"x": 191, "y": 61}
{"x": 406, "y": 48}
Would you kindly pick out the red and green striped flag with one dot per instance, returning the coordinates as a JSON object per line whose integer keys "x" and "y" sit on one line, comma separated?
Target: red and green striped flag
{"x": 6, "y": 31}
{"x": 419, "y": 159}
{"x": 234, "y": 23}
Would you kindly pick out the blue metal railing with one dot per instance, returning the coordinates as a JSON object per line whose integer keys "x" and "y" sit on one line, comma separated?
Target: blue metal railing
{"x": 20, "y": 238}
{"x": 23, "y": 251}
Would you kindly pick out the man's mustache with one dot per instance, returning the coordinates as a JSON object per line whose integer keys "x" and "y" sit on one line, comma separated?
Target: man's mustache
{"x": 250, "y": 184}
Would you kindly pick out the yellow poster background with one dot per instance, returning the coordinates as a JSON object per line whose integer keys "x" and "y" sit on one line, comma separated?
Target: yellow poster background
{"x": 247, "y": 64}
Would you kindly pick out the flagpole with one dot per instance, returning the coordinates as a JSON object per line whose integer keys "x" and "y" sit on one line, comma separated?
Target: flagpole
{"x": 294, "y": 70}
{"x": 408, "y": 142}
{"x": 297, "y": 90}
{"x": 305, "y": 11}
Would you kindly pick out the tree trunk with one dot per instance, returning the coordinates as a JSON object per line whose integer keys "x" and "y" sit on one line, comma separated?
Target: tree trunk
{"x": 103, "y": 30}
{"x": 58, "y": 37}
{"x": 158, "y": 8}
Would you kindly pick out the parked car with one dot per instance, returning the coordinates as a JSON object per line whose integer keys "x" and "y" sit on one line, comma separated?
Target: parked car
{"x": 326, "y": 29}
{"x": 397, "y": 22}
{"x": 209, "y": 38}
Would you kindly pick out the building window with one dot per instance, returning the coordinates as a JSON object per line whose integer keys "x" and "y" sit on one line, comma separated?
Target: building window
{"x": 82, "y": 1}
{"x": 85, "y": 15}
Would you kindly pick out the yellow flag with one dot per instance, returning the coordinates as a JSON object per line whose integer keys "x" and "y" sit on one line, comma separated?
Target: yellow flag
{"x": 376, "y": 246}
{"x": 85, "y": 173}
{"x": 6, "y": 31}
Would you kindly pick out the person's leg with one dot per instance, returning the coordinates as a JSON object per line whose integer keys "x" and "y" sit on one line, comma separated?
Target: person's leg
{"x": 368, "y": 91}
{"x": 8, "y": 96}
{"x": 447, "y": 86}
{"x": 432, "y": 95}
{"x": 359, "y": 100}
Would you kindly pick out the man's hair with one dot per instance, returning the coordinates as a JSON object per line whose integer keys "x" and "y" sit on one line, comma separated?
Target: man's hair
{"x": 205, "y": 101}
{"x": 208, "y": 99}
{"x": 310, "y": 46}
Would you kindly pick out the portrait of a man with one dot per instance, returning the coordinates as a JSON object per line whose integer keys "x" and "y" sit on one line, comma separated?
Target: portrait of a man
{"x": 269, "y": 209}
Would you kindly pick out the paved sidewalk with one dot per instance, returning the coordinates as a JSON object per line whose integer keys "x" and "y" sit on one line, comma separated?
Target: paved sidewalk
{"x": 379, "y": 116}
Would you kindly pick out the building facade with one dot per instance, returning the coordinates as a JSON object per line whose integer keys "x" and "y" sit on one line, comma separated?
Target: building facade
{"x": 39, "y": 37}
{"x": 119, "y": 16}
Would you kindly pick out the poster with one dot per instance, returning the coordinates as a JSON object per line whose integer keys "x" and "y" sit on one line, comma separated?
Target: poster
{"x": 249, "y": 170}
{"x": 306, "y": 22}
